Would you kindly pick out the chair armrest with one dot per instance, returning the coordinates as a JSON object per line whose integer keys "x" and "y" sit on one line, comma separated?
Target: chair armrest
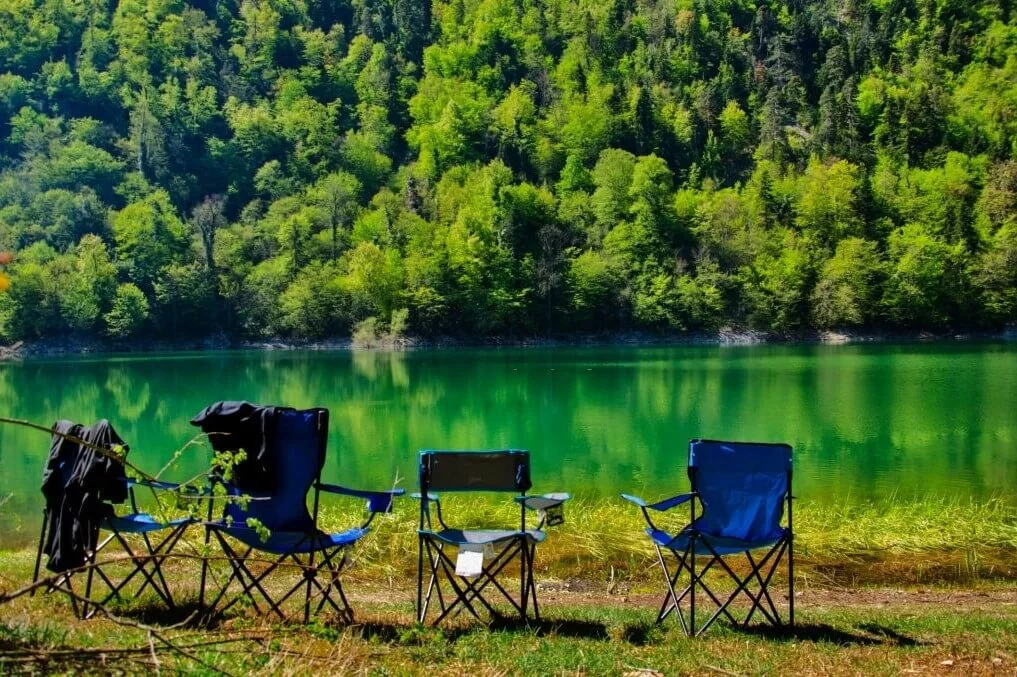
{"x": 549, "y": 507}
{"x": 544, "y": 501}
{"x": 377, "y": 501}
{"x": 660, "y": 506}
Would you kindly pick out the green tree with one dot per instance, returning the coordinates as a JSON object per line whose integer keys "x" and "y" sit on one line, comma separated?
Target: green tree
{"x": 315, "y": 303}
{"x": 89, "y": 289}
{"x": 129, "y": 312}
{"x": 338, "y": 194}
{"x": 827, "y": 202}
{"x": 995, "y": 276}
{"x": 593, "y": 287}
{"x": 734, "y": 127}
{"x": 847, "y": 293}
{"x": 925, "y": 281}
{"x": 182, "y": 299}
{"x": 32, "y": 302}
{"x": 373, "y": 280}
{"x": 149, "y": 237}
{"x": 612, "y": 177}
{"x": 778, "y": 282}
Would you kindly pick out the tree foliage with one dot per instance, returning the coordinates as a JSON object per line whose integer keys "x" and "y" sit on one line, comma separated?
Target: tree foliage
{"x": 486, "y": 166}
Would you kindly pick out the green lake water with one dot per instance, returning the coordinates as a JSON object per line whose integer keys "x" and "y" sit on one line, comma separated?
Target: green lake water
{"x": 866, "y": 422}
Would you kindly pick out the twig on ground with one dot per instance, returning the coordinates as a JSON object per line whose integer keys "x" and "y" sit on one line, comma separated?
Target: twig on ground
{"x": 155, "y": 657}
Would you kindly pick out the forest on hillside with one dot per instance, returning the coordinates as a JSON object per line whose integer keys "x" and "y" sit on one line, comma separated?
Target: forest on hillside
{"x": 302, "y": 168}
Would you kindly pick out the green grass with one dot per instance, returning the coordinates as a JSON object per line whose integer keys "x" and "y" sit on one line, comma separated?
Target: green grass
{"x": 859, "y": 609}
{"x": 601, "y": 638}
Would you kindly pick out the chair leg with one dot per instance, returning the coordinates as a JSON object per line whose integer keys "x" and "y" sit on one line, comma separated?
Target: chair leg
{"x": 204, "y": 569}
{"x": 670, "y": 581}
{"x": 764, "y": 587}
{"x": 791, "y": 579}
{"x": 157, "y": 560}
{"x": 78, "y": 612}
{"x": 38, "y": 554}
{"x": 235, "y": 574}
{"x": 433, "y": 554}
{"x": 307, "y": 594}
{"x": 88, "y": 589}
{"x": 692, "y": 584}
{"x": 331, "y": 564}
{"x": 533, "y": 584}
{"x": 420, "y": 578}
{"x": 91, "y": 559}
{"x": 433, "y": 584}
{"x": 335, "y": 583}
{"x": 523, "y": 594}
{"x": 255, "y": 584}
{"x": 140, "y": 563}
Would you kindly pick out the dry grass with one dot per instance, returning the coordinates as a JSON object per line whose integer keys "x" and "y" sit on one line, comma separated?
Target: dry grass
{"x": 932, "y": 540}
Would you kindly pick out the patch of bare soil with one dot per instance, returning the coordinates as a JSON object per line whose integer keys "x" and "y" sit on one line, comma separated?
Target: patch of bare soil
{"x": 585, "y": 593}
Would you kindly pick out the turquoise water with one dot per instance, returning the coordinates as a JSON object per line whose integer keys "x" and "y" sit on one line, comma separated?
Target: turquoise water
{"x": 866, "y": 422}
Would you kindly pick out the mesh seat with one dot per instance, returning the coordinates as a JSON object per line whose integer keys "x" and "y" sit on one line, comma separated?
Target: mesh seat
{"x": 484, "y": 536}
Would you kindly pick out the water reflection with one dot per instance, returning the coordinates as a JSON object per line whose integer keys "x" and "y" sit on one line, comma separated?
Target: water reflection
{"x": 866, "y": 421}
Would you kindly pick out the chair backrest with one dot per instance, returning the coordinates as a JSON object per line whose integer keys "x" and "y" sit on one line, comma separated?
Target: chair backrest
{"x": 742, "y": 487}
{"x": 298, "y": 447}
{"x": 507, "y": 470}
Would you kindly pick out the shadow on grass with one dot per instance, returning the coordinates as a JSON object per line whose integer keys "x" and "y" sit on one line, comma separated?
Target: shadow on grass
{"x": 156, "y": 613}
{"x": 647, "y": 633}
{"x": 639, "y": 635}
{"x": 400, "y": 633}
{"x": 186, "y": 614}
{"x": 898, "y": 639}
{"x": 821, "y": 632}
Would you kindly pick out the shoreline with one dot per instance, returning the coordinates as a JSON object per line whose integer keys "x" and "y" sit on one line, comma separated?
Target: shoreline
{"x": 69, "y": 346}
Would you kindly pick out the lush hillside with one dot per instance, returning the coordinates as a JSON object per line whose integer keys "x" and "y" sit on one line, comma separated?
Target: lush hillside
{"x": 294, "y": 167}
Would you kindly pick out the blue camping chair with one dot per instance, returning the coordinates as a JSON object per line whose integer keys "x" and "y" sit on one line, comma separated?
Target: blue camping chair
{"x": 145, "y": 556}
{"x": 742, "y": 488}
{"x": 492, "y": 549}
{"x": 293, "y": 538}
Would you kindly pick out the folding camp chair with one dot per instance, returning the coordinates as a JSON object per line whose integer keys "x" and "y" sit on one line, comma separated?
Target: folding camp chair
{"x": 482, "y": 553}
{"x": 145, "y": 557}
{"x": 277, "y": 525}
{"x": 742, "y": 488}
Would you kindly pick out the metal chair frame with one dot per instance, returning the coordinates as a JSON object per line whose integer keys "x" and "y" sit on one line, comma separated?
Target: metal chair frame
{"x": 153, "y": 555}
{"x": 465, "y": 593}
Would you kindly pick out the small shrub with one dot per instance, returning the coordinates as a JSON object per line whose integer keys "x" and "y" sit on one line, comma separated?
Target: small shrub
{"x": 399, "y": 324}
{"x": 365, "y": 334}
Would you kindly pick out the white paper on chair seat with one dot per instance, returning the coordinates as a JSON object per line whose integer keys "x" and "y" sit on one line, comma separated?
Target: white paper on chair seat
{"x": 470, "y": 561}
